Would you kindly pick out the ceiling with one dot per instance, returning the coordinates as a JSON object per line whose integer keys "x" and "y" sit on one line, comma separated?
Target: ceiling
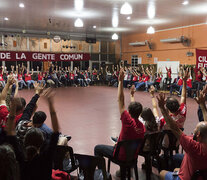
{"x": 59, "y": 15}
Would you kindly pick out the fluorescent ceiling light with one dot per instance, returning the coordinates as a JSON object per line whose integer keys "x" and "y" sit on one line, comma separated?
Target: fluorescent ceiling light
{"x": 128, "y": 18}
{"x": 6, "y": 18}
{"x": 126, "y": 8}
{"x": 78, "y": 23}
{"x": 150, "y": 30}
{"x": 115, "y": 21}
{"x": 94, "y": 27}
{"x": 79, "y": 5}
{"x": 21, "y": 5}
{"x": 115, "y": 36}
{"x": 185, "y": 3}
{"x": 151, "y": 11}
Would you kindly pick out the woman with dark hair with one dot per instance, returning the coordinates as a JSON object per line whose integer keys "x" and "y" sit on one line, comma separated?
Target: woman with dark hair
{"x": 9, "y": 168}
{"x": 38, "y": 164}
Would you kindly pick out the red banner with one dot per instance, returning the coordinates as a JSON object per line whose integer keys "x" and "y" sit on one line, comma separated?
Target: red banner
{"x": 41, "y": 56}
{"x": 201, "y": 58}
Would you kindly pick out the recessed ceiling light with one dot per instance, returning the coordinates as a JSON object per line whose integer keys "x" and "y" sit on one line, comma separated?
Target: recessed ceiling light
{"x": 115, "y": 36}
{"x": 79, "y": 5}
{"x": 185, "y": 3}
{"x": 126, "y": 8}
{"x": 151, "y": 11}
{"x": 94, "y": 27}
{"x": 150, "y": 30}
{"x": 21, "y": 5}
{"x": 128, "y": 18}
{"x": 6, "y": 18}
{"x": 78, "y": 23}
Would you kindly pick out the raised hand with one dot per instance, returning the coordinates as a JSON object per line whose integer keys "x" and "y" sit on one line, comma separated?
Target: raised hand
{"x": 161, "y": 100}
{"x": 200, "y": 99}
{"x": 152, "y": 90}
{"x": 49, "y": 94}
{"x": 185, "y": 74}
{"x": 10, "y": 80}
{"x": 121, "y": 74}
{"x": 132, "y": 90}
{"x": 205, "y": 89}
{"x": 39, "y": 88}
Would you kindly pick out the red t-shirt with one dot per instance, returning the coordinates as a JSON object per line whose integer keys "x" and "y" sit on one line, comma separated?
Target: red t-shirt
{"x": 180, "y": 82}
{"x": 131, "y": 129}
{"x": 3, "y": 115}
{"x": 198, "y": 77}
{"x": 40, "y": 77}
{"x": 18, "y": 117}
{"x": 158, "y": 79}
{"x": 169, "y": 72}
{"x": 72, "y": 76}
{"x": 19, "y": 77}
{"x": 135, "y": 78}
{"x": 179, "y": 117}
{"x": 195, "y": 157}
{"x": 189, "y": 83}
{"x": 146, "y": 78}
{"x": 1, "y": 78}
{"x": 28, "y": 77}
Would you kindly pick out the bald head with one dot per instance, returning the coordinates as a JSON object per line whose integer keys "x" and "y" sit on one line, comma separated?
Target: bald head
{"x": 200, "y": 133}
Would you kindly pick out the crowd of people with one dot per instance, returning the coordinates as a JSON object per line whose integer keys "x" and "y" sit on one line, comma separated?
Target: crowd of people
{"x": 27, "y": 144}
{"x": 140, "y": 76}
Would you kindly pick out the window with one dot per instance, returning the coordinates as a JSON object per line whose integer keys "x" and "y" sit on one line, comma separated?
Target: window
{"x": 134, "y": 60}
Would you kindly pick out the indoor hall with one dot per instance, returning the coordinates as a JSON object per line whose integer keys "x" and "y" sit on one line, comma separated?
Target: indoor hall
{"x": 87, "y": 82}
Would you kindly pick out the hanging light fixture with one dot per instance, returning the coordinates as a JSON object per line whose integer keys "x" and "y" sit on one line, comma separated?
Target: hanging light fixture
{"x": 78, "y": 23}
{"x": 115, "y": 36}
{"x": 126, "y": 9}
{"x": 150, "y": 30}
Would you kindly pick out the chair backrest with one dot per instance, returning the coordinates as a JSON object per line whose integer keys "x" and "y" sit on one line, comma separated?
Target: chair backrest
{"x": 199, "y": 174}
{"x": 131, "y": 148}
{"x": 87, "y": 164}
{"x": 62, "y": 153}
{"x": 152, "y": 139}
{"x": 172, "y": 140}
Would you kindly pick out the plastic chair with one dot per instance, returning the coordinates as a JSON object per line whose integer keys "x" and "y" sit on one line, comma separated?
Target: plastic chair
{"x": 87, "y": 164}
{"x": 172, "y": 147}
{"x": 131, "y": 148}
{"x": 151, "y": 152}
{"x": 61, "y": 153}
{"x": 199, "y": 174}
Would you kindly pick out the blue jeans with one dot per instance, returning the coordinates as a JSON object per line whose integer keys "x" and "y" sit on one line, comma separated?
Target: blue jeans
{"x": 41, "y": 81}
{"x": 170, "y": 176}
{"x": 148, "y": 84}
{"x": 188, "y": 89}
{"x": 29, "y": 83}
{"x": 139, "y": 85}
{"x": 21, "y": 84}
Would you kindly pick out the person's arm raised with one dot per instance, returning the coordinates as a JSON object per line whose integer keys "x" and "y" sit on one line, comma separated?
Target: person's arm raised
{"x": 170, "y": 122}
{"x": 200, "y": 99}
{"x": 132, "y": 91}
{"x": 183, "y": 95}
{"x": 121, "y": 92}
{"x": 3, "y": 95}
{"x": 10, "y": 124}
{"x": 49, "y": 94}
{"x": 154, "y": 102}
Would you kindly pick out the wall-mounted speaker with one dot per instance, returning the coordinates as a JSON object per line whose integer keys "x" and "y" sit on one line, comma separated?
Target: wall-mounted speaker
{"x": 189, "y": 54}
{"x": 149, "y": 55}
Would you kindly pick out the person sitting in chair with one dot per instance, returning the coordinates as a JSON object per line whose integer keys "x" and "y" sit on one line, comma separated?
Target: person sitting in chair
{"x": 132, "y": 128}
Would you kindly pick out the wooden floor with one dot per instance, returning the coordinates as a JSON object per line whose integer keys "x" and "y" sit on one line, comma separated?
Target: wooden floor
{"x": 90, "y": 115}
